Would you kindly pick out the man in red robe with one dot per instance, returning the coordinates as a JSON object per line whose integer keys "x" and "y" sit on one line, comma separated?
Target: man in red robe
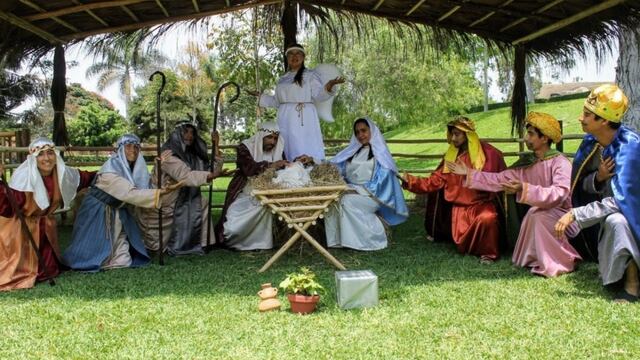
{"x": 473, "y": 215}
{"x": 41, "y": 185}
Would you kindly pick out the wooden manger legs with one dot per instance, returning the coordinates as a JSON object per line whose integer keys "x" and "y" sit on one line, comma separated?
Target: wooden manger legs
{"x": 300, "y": 225}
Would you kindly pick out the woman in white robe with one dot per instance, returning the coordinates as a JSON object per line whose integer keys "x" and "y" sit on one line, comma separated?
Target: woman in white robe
{"x": 295, "y": 95}
{"x": 376, "y": 195}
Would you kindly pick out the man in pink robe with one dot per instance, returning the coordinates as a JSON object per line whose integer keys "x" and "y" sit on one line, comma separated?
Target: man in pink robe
{"x": 545, "y": 186}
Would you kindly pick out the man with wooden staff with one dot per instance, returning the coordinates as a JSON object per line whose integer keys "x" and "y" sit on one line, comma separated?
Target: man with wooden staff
{"x": 245, "y": 224}
{"x": 185, "y": 211}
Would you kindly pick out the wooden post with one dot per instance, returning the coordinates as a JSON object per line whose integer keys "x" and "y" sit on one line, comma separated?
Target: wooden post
{"x": 560, "y": 145}
{"x": 289, "y": 24}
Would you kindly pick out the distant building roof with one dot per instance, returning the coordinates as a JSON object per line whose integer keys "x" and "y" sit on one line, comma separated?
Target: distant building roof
{"x": 553, "y": 90}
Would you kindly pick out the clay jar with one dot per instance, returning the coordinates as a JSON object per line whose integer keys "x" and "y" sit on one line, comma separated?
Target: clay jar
{"x": 268, "y": 298}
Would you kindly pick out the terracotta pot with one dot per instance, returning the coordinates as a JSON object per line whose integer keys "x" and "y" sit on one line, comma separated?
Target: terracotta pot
{"x": 303, "y": 304}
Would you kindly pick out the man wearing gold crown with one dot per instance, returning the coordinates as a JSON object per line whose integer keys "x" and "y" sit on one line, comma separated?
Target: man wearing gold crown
{"x": 544, "y": 185}
{"x": 473, "y": 216}
{"x": 605, "y": 166}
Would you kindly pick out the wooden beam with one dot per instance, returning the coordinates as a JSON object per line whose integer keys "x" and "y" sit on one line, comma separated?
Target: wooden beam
{"x": 568, "y": 21}
{"x": 482, "y": 19}
{"x": 138, "y": 25}
{"x": 490, "y": 14}
{"x": 449, "y": 13}
{"x": 548, "y": 6}
{"x": 130, "y": 13}
{"x": 377, "y": 5}
{"x": 500, "y": 9}
{"x": 14, "y": 20}
{"x": 493, "y": 35}
{"x": 196, "y": 7}
{"x": 513, "y": 23}
{"x": 80, "y": 8}
{"x": 414, "y": 8}
{"x": 56, "y": 19}
{"x": 92, "y": 14}
{"x": 539, "y": 11}
{"x": 164, "y": 10}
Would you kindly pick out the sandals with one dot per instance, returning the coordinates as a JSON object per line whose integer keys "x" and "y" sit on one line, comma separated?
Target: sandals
{"x": 623, "y": 297}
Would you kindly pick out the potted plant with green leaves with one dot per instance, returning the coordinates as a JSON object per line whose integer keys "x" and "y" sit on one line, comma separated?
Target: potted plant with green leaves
{"x": 303, "y": 291}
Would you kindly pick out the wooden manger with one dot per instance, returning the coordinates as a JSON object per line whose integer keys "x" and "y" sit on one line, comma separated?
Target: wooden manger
{"x": 300, "y": 208}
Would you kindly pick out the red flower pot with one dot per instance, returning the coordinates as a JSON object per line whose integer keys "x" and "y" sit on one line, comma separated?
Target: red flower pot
{"x": 303, "y": 304}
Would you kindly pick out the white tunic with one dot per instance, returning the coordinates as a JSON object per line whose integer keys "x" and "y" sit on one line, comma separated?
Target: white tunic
{"x": 297, "y": 115}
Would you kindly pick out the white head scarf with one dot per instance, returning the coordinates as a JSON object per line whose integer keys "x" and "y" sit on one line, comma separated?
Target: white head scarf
{"x": 118, "y": 164}
{"x": 378, "y": 146}
{"x": 27, "y": 177}
{"x": 254, "y": 143}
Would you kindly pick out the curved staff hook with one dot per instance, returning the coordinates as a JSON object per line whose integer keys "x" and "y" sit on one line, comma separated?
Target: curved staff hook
{"x": 214, "y": 147}
{"x": 159, "y": 162}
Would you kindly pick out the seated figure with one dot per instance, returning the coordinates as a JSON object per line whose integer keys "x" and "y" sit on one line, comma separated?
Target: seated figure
{"x": 106, "y": 234}
{"x": 185, "y": 212}
{"x": 39, "y": 186}
{"x": 369, "y": 169}
{"x": 245, "y": 224}
{"x": 467, "y": 216}
{"x": 605, "y": 167}
{"x": 544, "y": 185}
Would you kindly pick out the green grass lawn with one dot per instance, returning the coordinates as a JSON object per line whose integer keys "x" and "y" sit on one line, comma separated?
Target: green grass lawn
{"x": 434, "y": 303}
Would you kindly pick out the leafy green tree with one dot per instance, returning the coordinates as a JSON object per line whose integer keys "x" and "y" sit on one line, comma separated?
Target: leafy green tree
{"x": 96, "y": 125}
{"x": 121, "y": 63}
{"x": 174, "y": 107}
{"x": 395, "y": 85}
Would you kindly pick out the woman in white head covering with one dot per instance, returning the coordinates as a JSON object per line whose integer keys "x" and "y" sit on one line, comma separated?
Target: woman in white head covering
{"x": 244, "y": 223}
{"x": 40, "y": 185}
{"x": 295, "y": 96}
{"x": 369, "y": 169}
{"x": 106, "y": 234}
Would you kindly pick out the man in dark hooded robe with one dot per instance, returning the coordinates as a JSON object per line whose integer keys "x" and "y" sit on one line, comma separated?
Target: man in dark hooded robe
{"x": 184, "y": 212}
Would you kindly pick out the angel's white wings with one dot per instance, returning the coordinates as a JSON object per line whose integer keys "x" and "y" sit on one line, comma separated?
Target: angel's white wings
{"x": 327, "y": 72}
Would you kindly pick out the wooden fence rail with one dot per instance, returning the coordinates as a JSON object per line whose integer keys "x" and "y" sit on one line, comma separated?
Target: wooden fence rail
{"x": 150, "y": 151}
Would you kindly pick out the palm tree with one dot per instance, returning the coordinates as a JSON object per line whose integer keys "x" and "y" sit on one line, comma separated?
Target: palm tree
{"x": 121, "y": 61}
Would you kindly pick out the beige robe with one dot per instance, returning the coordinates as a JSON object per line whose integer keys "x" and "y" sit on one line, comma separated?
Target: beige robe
{"x": 126, "y": 192}
{"x": 174, "y": 171}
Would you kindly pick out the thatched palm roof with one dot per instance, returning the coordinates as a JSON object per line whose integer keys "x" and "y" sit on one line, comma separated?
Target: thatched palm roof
{"x": 544, "y": 26}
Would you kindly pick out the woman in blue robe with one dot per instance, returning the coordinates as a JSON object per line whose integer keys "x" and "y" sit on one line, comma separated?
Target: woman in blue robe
{"x": 375, "y": 197}
{"x": 105, "y": 234}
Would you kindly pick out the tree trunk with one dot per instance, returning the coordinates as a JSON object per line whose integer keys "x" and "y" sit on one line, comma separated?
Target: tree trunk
{"x": 289, "y": 23}
{"x": 531, "y": 98}
{"x": 485, "y": 79}
{"x": 628, "y": 74}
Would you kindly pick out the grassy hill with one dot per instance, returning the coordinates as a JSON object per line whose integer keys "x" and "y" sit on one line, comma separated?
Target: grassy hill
{"x": 490, "y": 124}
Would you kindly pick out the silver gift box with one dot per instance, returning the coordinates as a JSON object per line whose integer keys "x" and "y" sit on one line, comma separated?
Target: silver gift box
{"x": 356, "y": 289}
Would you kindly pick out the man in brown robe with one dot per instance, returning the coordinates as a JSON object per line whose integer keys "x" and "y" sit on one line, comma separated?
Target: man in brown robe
{"x": 41, "y": 185}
